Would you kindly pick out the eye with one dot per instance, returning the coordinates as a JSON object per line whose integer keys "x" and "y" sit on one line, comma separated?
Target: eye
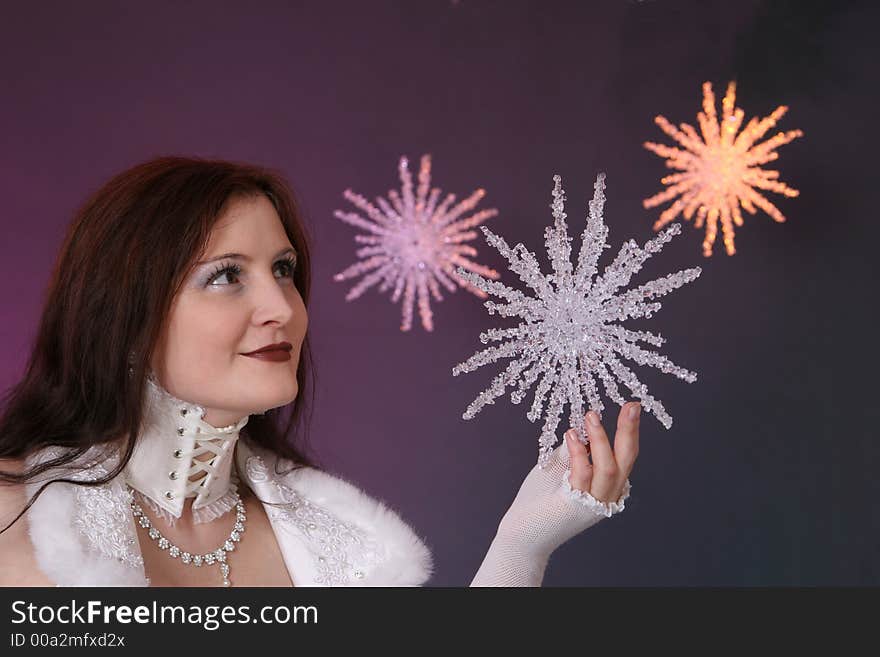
{"x": 224, "y": 270}
{"x": 288, "y": 266}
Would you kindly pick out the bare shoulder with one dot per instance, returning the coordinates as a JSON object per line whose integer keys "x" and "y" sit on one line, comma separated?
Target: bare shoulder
{"x": 18, "y": 567}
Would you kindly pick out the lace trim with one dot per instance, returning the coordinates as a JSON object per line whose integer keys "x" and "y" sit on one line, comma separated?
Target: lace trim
{"x": 205, "y": 514}
{"x": 339, "y": 549}
{"x": 606, "y": 509}
{"x": 101, "y": 515}
{"x": 104, "y": 523}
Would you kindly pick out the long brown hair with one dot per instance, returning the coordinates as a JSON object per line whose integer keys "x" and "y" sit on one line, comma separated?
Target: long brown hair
{"x": 126, "y": 254}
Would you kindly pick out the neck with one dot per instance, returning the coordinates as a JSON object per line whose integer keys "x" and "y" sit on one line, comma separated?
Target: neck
{"x": 180, "y": 461}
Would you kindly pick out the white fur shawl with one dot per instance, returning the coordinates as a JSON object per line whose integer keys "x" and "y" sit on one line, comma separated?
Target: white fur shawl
{"x": 330, "y": 533}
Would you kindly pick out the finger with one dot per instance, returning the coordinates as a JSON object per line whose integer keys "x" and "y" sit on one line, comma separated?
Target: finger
{"x": 603, "y": 455}
{"x": 605, "y": 470}
{"x": 626, "y": 440}
{"x": 579, "y": 454}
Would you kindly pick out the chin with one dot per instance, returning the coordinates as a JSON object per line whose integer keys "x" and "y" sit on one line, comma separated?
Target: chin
{"x": 276, "y": 388}
{"x": 276, "y": 397}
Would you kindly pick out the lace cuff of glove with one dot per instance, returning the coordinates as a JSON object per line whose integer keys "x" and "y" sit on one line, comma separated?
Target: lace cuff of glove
{"x": 607, "y": 509}
{"x": 545, "y": 514}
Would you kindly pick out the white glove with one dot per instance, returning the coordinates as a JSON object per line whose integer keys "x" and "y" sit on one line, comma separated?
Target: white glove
{"x": 547, "y": 511}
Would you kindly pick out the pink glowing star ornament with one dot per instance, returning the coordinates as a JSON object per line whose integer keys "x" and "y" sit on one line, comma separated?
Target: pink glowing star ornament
{"x": 413, "y": 245}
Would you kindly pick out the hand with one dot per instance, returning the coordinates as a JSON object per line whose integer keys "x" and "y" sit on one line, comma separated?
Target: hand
{"x": 604, "y": 478}
{"x": 548, "y": 510}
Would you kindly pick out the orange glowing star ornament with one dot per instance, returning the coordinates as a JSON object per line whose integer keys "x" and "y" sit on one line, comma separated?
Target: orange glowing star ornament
{"x": 721, "y": 171}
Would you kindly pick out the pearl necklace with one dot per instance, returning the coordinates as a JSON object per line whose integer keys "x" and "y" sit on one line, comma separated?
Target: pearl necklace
{"x": 209, "y": 558}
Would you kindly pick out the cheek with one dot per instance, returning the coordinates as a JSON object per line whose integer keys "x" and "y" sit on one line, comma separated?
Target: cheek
{"x": 200, "y": 334}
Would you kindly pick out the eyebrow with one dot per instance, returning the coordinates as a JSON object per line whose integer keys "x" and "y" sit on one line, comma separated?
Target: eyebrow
{"x": 241, "y": 256}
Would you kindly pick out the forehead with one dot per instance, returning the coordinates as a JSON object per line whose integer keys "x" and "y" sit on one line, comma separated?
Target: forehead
{"x": 248, "y": 223}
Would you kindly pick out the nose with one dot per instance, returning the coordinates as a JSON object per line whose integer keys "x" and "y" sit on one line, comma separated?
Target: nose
{"x": 272, "y": 303}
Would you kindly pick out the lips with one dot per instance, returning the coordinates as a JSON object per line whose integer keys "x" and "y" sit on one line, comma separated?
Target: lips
{"x": 272, "y": 352}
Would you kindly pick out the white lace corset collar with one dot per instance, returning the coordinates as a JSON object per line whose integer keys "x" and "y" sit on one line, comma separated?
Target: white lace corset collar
{"x": 167, "y": 452}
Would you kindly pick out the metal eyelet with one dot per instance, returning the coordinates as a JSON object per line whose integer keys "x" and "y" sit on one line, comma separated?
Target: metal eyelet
{"x": 183, "y": 411}
{"x": 178, "y": 453}
{"x": 169, "y": 494}
{"x": 172, "y": 475}
{"x": 180, "y": 431}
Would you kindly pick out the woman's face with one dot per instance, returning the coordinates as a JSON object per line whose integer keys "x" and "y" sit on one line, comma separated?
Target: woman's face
{"x": 230, "y": 306}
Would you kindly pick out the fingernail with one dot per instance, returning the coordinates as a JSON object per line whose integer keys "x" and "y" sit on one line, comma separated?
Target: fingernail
{"x": 593, "y": 418}
{"x": 568, "y": 435}
{"x": 634, "y": 411}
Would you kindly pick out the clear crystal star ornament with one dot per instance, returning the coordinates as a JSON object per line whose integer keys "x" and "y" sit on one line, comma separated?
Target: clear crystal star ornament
{"x": 570, "y": 336}
{"x": 414, "y": 243}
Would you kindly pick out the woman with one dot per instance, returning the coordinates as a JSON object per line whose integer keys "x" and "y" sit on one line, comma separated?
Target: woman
{"x": 149, "y": 441}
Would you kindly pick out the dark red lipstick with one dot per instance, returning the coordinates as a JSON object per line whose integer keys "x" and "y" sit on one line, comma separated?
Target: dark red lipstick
{"x": 272, "y": 352}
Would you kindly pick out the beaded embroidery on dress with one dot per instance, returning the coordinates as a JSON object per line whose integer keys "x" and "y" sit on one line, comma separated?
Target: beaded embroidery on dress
{"x": 341, "y": 551}
{"x": 84, "y": 536}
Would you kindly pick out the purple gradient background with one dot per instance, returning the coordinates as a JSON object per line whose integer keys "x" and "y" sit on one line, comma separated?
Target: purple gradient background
{"x": 768, "y": 474}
